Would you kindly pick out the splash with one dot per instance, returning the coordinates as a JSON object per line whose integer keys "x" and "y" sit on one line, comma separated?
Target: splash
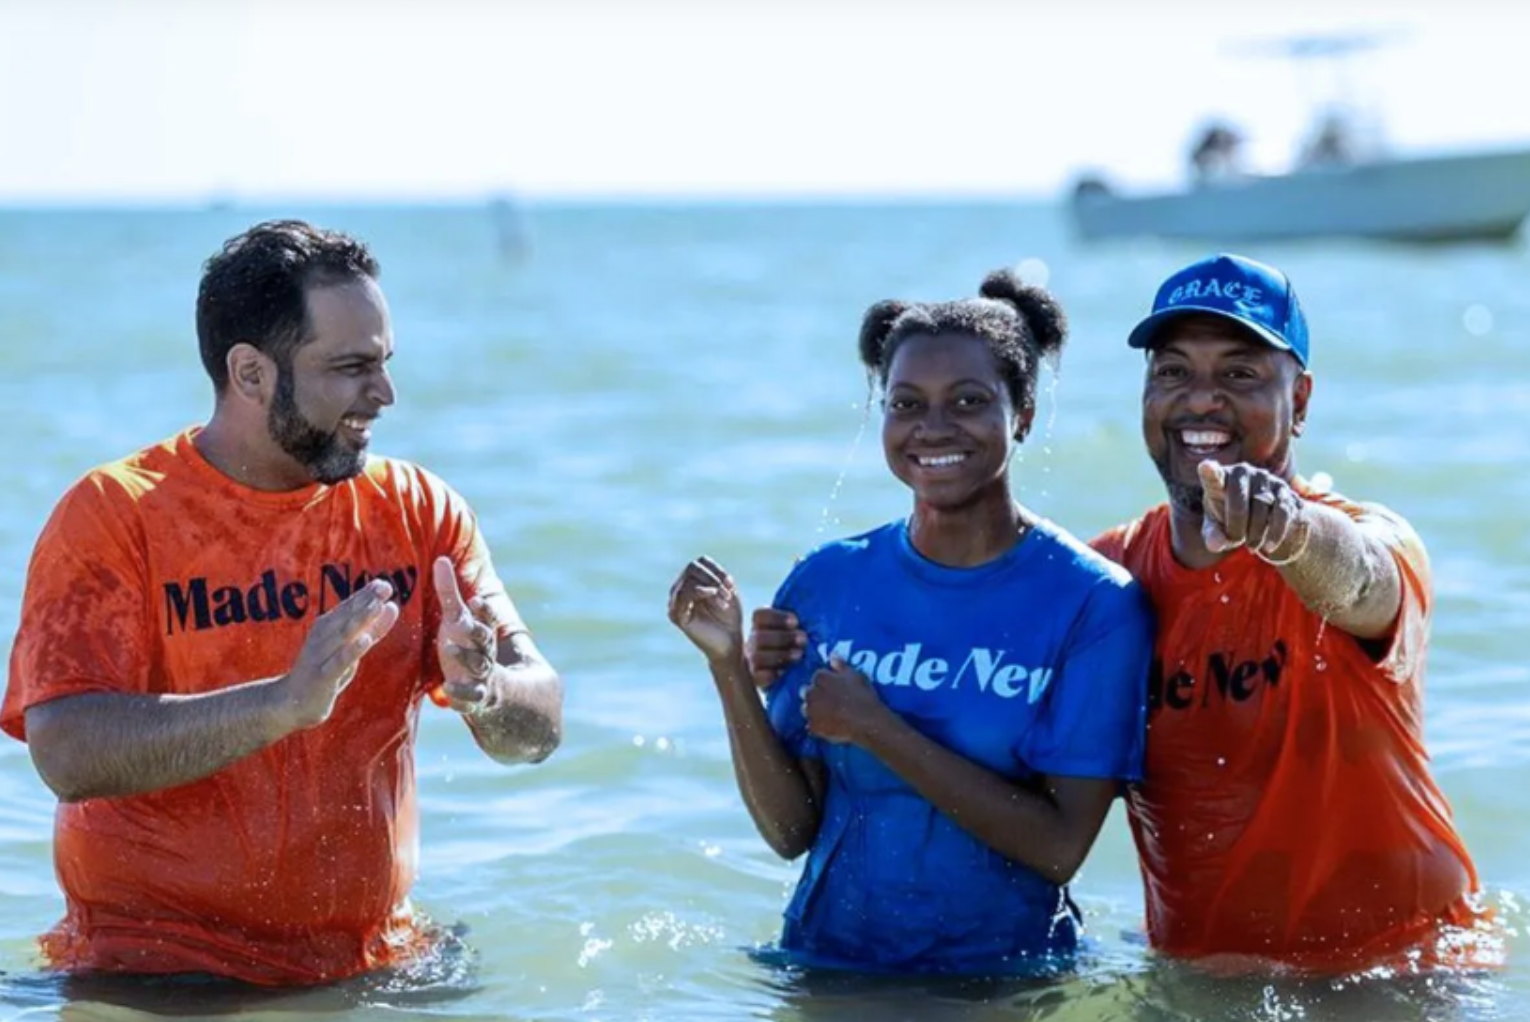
{"x": 825, "y": 519}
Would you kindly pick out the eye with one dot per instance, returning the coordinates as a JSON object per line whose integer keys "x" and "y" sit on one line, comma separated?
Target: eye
{"x": 1168, "y": 372}
{"x": 1243, "y": 374}
{"x": 972, "y": 402}
{"x": 901, "y": 404}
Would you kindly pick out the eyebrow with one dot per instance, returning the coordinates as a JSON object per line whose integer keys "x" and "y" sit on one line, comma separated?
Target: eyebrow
{"x": 357, "y": 356}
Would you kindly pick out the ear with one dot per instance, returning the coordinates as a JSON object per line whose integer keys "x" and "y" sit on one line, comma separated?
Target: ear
{"x": 1301, "y": 394}
{"x": 251, "y": 373}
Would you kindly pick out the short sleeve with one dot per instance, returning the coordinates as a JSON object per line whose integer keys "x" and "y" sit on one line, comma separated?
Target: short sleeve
{"x": 454, "y": 533}
{"x": 783, "y": 700}
{"x": 85, "y": 609}
{"x": 1094, "y": 721}
{"x": 1409, "y": 641}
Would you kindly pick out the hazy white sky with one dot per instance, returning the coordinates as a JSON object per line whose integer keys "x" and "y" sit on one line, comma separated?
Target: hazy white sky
{"x": 165, "y": 99}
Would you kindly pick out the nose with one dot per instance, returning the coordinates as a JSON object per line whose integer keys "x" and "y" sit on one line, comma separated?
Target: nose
{"x": 934, "y": 423}
{"x": 1204, "y": 396}
{"x": 381, "y": 389}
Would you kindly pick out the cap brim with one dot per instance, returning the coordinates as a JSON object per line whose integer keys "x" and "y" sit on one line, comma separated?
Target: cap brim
{"x": 1146, "y": 332}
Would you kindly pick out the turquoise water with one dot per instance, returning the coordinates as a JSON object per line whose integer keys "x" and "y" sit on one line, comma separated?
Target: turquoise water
{"x": 642, "y": 385}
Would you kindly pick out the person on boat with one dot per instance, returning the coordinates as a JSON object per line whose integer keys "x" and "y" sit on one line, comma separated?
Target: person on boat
{"x": 1332, "y": 143}
{"x": 1217, "y": 154}
{"x": 973, "y": 689}
{"x": 225, "y": 640}
{"x": 1287, "y": 812}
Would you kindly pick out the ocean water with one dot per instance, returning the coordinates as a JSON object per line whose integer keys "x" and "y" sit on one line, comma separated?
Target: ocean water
{"x": 618, "y": 389}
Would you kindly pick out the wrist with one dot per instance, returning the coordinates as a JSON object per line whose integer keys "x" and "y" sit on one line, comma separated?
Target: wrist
{"x": 875, "y": 730}
{"x": 277, "y": 713}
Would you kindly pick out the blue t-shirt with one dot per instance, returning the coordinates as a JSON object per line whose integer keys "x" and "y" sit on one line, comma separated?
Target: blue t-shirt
{"x": 1034, "y": 663}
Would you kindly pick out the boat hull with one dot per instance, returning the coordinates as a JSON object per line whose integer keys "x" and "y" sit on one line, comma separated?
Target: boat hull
{"x": 1438, "y": 199}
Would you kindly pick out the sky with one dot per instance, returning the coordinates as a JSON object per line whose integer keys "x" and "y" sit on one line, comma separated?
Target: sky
{"x": 177, "y": 100}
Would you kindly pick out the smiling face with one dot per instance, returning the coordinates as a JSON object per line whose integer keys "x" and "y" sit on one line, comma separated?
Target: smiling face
{"x": 1215, "y": 391}
{"x": 949, "y": 422}
{"x": 337, "y": 382}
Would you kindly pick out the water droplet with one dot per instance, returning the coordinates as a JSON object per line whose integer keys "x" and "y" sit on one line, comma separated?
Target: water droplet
{"x": 1221, "y": 761}
{"x": 639, "y": 741}
{"x": 1216, "y": 576}
{"x": 1477, "y": 319}
{"x": 1226, "y": 598}
{"x": 1034, "y": 271}
{"x": 662, "y": 745}
{"x": 1321, "y": 664}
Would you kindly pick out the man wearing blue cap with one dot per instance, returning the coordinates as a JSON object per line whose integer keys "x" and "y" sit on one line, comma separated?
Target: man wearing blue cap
{"x": 1287, "y": 812}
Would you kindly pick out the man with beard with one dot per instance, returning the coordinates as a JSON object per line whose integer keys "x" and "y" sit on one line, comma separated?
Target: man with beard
{"x": 225, "y": 639}
{"x": 1287, "y": 812}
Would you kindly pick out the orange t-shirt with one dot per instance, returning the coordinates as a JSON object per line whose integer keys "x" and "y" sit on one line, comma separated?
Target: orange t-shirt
{"x": 1287, "y": 811}
{"x": 158, "y": 574}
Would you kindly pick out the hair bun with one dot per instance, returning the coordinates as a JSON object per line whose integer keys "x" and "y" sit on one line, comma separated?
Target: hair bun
{"x": 1036, "y": 305}
{"x": 875, "y": 327}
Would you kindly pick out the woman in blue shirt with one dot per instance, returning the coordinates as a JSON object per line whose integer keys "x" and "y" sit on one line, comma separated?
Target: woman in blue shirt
{"x": 973, "y": 691}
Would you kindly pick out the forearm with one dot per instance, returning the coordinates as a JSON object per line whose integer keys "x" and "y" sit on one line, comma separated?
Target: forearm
{"x": 521, "y": 720}
{"x": 770, "y": 779}
{"x": 1341, "y": 572}
{"x": 1020, "y": 824}
{"x": 108, "y": 745}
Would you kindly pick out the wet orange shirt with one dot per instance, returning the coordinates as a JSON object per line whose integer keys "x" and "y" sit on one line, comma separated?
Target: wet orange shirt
{"x": 157, "y": 574}
{"x": 1287, "y": 810}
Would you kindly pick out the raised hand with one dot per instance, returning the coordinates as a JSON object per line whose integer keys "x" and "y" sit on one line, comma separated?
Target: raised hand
{"x": 704, "y": 604}
{"x": 1249, "y": 506}
{"x": 333, "y": 650}
{"x": 467, "y": 644}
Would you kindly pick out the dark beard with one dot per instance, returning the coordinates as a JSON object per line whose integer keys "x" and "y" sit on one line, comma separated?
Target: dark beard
{"x": 326, "y": 457}
{"x": 1186, "y": 498}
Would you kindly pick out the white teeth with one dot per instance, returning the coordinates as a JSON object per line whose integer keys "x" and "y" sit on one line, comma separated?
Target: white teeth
{"x": 942, "y": 461}
{"x": 1205, "y": 437}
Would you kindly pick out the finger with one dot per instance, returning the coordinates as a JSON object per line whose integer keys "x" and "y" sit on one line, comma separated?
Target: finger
{"x": 1262, "y": 498}
{"x": 349, "y": 654}
{"x": 355, "y": 614}
{"x": 1212, "y": 475}
{"x": 1281, "y": 517}
{"x": 1234, "y": 519}
{"x": 706, "y": 572}
{"x": 444, "y": 573}
{"x": 1212, "y": 535}
{"x": 463, "y": 695}
{"x": 783, "y": 642}
{"x": 485, "y": 610}
{"x": 475, "y": 662}
{"x": 719, "y": 572}
{"x": 772, "y": 619}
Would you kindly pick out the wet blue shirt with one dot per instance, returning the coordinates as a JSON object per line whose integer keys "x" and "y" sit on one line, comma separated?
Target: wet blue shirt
{"x": 1035, "y": 663}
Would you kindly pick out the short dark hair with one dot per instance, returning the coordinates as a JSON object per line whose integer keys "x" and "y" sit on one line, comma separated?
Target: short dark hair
{"x": 1021, "y": 324}
{"x": 255, "y": 289}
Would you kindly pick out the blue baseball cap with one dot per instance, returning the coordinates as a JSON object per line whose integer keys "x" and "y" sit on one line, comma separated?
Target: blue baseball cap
{"x": 1251, "y": 294}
